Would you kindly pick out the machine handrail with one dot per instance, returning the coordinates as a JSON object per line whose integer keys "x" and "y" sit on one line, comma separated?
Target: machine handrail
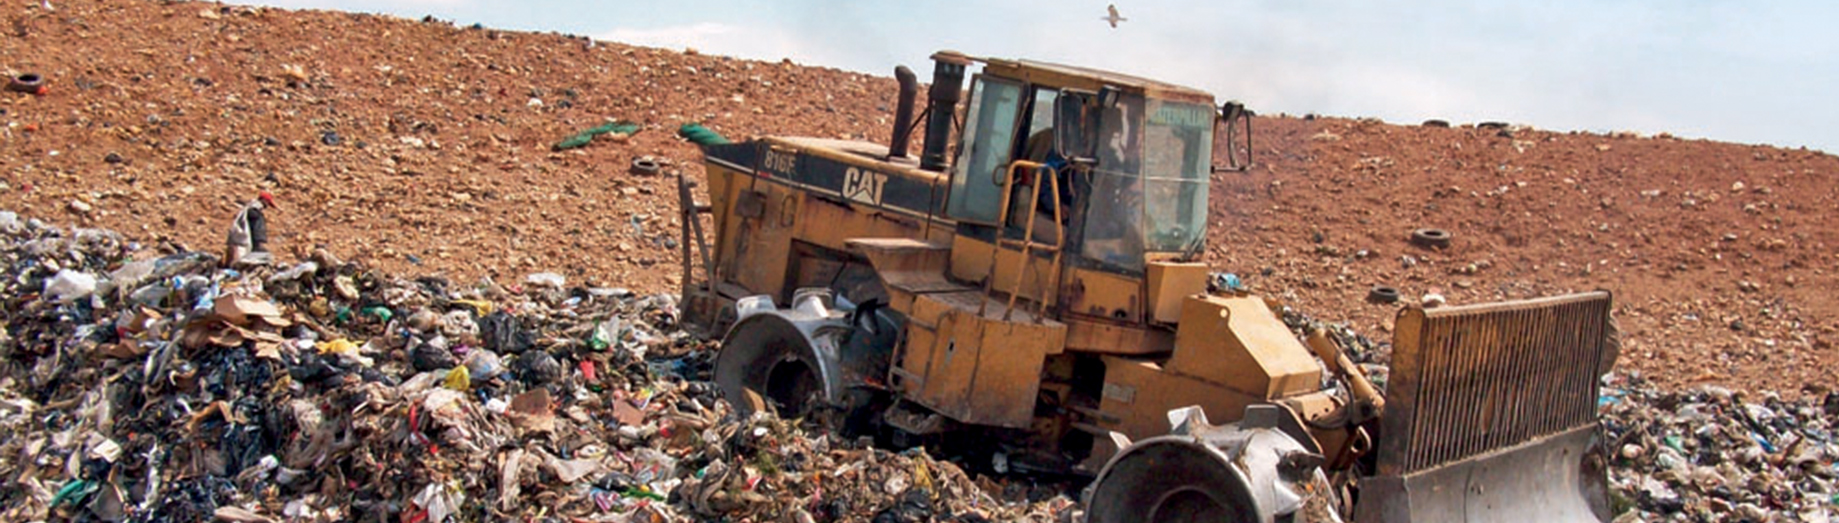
{"x": 1052, "y": 175}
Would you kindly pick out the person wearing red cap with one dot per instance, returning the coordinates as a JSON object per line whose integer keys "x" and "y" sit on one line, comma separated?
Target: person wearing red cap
{"x": 248, "y": 239}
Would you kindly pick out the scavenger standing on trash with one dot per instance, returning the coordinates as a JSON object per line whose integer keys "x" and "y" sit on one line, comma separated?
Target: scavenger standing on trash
{"x": 248, "y": 238}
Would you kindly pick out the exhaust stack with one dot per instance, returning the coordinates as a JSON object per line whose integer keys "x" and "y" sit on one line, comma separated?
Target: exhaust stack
{"x": 947, "y": 82}
{"x": 903, "y": 112}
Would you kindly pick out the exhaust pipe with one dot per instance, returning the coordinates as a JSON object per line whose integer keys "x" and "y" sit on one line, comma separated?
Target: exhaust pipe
{"x": 903, "y": 112}
{"x": 947, "y": 81}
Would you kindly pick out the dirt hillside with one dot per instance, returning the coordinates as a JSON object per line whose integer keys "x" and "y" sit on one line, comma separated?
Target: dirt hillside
{"x": 414, "y": 145}
{"x": 1721, "y": 256}
{"x": 422, "y": 147}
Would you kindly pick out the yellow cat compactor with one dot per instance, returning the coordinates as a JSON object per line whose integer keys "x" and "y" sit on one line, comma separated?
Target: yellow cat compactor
{"x": 1030, "y": 284}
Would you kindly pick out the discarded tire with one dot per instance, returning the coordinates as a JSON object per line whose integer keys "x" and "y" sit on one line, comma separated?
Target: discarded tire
{"x": 1382, "y": 294}
{"x": 645, "y": 166}
{"x": 30, "y": 83}
{"x": 1430, "y": 238}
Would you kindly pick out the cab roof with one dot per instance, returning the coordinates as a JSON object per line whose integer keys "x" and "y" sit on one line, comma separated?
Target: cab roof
{"x": 1072, "y": 76}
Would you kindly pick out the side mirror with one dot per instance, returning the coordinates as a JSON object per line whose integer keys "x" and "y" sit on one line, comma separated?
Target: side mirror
{"x": 1232, "y": 110}
{"x": 1237, "y": 137}
{"x": 1076, "y": 120}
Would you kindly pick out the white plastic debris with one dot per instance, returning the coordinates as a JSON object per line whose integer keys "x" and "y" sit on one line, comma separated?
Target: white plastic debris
{"x": 69, "y": 285}
{"x": 546, "y": 279}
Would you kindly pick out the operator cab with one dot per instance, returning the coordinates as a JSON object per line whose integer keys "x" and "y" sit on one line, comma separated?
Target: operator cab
{"x": 1131, "y": 157}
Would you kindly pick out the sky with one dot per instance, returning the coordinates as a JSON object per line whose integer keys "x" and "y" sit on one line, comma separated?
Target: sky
{"x": 1737, "y": 71}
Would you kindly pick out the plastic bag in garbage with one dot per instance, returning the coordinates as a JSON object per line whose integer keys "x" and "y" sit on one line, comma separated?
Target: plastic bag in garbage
{"x": 68, "y": 285}
{"x": 546, "y": 279}
{"x": 483, "y": 365}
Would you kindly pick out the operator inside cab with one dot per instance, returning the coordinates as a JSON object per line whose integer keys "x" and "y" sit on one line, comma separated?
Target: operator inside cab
{"x": 1039, "y": 148}
{"x": 1117, "y": 192}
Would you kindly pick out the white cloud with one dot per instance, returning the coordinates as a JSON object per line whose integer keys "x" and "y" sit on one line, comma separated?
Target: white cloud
{"x": 756, "y": 43}
{"x": 679, "y": 36}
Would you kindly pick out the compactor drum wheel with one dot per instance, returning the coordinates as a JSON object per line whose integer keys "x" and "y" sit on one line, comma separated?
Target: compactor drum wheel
{"x": 1254, "y": 471}
{"x": 1173, "y": 481}
{"x": 767, "y": 363}
{"x": 804, "y": 361}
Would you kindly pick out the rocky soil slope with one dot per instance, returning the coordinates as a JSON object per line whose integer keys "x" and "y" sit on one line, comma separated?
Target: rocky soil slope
{"x": 1721, "y": 256}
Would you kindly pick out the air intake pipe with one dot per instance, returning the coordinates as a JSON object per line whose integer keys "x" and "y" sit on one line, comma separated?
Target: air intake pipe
{"x": 947, "y": 81}
{"x": 903, "y": 112}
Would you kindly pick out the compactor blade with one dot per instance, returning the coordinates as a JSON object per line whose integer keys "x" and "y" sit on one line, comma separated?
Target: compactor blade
{"x": 1491, "y": 414}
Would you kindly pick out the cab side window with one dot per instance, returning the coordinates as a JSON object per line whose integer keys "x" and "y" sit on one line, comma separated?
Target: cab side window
{"x": 1037, "y": 147}
{"x": 1040, "y": 126}
{"x": 989, "y": 142}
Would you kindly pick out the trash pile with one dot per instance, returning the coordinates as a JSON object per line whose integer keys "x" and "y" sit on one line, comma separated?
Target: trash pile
{"x": 144, "y": 386}
{"x": 1374, "y": 357}
{"x": 1710, "y": 454}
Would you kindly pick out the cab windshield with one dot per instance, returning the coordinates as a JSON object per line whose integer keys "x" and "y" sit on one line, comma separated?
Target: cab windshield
{"x": 1149, "y": 189}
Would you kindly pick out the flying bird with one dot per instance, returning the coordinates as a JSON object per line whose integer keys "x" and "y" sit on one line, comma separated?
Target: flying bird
{"x": 1113, "y": 17}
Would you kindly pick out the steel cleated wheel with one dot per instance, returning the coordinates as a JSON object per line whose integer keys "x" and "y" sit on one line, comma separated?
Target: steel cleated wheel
{"x": 808, "y": 360}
